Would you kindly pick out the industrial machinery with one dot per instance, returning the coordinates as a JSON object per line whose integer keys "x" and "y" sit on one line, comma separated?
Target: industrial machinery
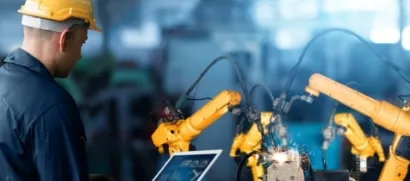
{"x": 257, "y": 157}
{"x": 382, "y": 113}
{"x": 264, "y": 156}
{"x": 251, "y": 141}
{"x": 362, "y": 146}
{"x": 280, "y": 104}
{"x": 277, "y": 164}
{"x": 265, "y": 145}
{"x": 330, "y": 130}
{"x": 285, "y": 170}
{"x": 176, "y": 133}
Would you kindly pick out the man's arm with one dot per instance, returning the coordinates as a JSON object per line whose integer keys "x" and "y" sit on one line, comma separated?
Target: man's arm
{"x": 56, "y": 140}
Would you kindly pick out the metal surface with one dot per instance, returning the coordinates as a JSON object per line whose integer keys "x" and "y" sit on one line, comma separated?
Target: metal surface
{"x": 287, "y": 171}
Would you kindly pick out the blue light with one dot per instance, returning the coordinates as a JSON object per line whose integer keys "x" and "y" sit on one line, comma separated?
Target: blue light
{"x": 264, "y": 13}
{"x": 406, "y": 38}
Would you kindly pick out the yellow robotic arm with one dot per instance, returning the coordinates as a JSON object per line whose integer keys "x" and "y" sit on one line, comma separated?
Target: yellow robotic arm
{"x": 251, "y": 141}
{"x": 178, "y": 135}
{"x": 361, "y": 145}
{"x": 382, "y": 113}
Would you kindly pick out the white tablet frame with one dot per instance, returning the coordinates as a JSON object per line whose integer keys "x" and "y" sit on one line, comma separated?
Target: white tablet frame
{"x": 203, "y": 152}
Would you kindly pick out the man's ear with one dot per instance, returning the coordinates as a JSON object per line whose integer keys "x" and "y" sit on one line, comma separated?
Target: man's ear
{"x": 64, "y": 37}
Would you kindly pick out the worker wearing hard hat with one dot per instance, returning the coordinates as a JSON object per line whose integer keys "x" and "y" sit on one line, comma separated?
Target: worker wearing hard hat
{"x": 42, "y": 136}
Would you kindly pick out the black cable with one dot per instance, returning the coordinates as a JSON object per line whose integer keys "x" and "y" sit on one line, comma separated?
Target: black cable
{"x": 295, "y": 68}
{"x": 336, "y": 104}
{"x": 193, "y": 102}
{"x": 250, "y": 104}
{"x": 403, "y": 97}
{"x": 330, "y": 122}
{"x": 183, "y": 97}
{"x": 199, "y": 99}
{"x": 264, "y": 87}
{"x": 242, "y": 164}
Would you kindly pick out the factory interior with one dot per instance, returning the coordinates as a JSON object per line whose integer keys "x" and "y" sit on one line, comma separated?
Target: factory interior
{"x": 152, "y": 51}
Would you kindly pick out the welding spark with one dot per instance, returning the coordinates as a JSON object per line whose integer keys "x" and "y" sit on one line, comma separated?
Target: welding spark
{"x": 280, "y": 157}
{"x": 278, "y": 154}
{"x": 275, "y": 153}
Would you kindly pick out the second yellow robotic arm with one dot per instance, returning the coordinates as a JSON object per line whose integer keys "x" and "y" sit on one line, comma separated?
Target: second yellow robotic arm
{"x": 178, "y": 135}
{"x": 362, "y": 146}
{"x": 252, "y": 141}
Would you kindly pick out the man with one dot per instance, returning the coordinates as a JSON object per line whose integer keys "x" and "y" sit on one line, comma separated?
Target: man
{"x": 42, "y": 136}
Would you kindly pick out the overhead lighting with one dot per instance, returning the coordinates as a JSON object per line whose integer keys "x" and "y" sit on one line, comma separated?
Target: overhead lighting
{"x": 146, "y": 37}
{"x": 385, "y": 35}
{"x": 405, "y": 42}
{"x": 264, "y": 13}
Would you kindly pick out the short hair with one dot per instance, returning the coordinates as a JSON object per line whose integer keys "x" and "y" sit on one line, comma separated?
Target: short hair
{"x": 38, "y": 33}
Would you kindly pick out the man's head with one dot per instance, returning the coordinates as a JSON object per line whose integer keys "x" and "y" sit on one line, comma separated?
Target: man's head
{"x": 54, "y": 32}
{"x": 58, "y": 51}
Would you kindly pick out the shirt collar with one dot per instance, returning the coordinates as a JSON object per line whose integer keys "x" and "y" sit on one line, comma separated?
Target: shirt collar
{"x": 23, "y": 58}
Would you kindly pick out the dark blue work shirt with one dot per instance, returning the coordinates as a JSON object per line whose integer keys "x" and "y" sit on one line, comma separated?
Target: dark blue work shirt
{"x": 42, "y": 136}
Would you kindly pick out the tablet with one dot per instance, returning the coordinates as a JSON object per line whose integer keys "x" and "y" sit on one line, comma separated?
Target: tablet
{"x": 187, "y": 166}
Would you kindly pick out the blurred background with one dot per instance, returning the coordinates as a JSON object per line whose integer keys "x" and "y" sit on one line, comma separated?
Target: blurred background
{"x": 153, "y": 50}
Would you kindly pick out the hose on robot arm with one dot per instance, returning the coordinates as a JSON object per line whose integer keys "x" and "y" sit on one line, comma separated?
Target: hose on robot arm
{"x": 280, "y": 104}
{"x": 253, "y": 114}
{"x": 336, "y": 104}
{"x": 329, "y": 132}
{"x": 281, "y": 130}
{"x": 265, "y": 88}
{"x": 242, "y": 164}
{"x": 293, "y": 72}
{"x": 184, "y": 96}
{"x": 295, "y": 68}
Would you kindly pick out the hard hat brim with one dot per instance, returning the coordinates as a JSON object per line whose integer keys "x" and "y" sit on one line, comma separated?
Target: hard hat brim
{"x": 95, "y": 28}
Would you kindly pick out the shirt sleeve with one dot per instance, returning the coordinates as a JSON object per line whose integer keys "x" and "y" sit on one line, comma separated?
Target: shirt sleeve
{"x": 57, "y": 144}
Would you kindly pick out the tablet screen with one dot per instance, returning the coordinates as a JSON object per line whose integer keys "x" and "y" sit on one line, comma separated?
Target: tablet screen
{"x": 186, "y": 167}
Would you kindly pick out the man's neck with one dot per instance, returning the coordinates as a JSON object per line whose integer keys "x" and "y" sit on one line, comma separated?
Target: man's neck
{"x": 41, "y": 53}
